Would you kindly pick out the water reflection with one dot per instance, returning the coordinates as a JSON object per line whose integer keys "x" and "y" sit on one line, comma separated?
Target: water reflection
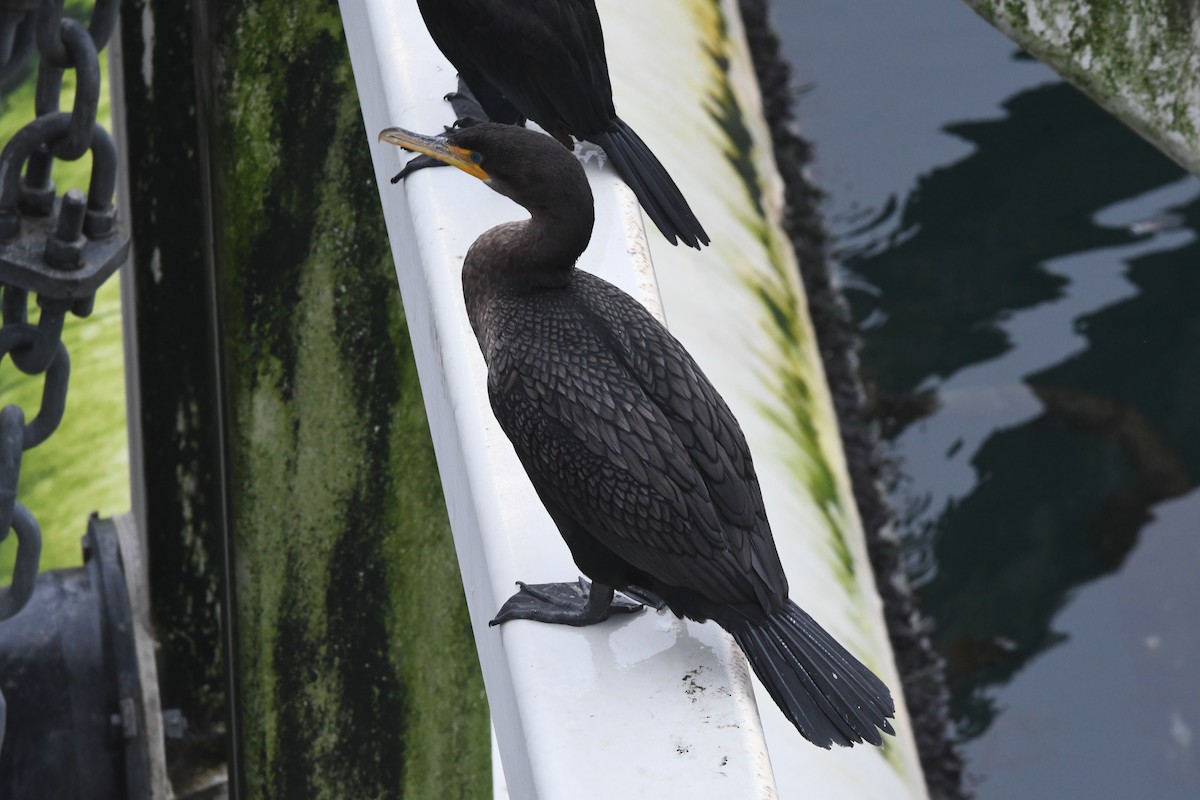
{"x": 969, "y": 244}
{"x": 1033, "y": 336}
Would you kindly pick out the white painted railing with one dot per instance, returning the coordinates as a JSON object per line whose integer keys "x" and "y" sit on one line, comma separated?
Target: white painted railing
{"x": 646, "y": 705}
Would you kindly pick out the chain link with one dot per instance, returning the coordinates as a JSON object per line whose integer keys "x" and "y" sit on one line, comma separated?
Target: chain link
{"x": 60, "y": 249}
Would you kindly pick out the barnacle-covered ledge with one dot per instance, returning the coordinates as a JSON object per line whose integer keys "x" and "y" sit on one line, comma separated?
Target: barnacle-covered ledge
{"x": 1139, "y": 59}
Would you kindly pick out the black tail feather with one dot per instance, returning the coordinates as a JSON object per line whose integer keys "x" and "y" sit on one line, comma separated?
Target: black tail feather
{"x": 828, "y": 694}
{"x": 649, "y": 180}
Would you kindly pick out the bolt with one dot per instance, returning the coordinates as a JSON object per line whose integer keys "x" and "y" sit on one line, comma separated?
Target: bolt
{"x": 82, "y": 307}
{"x": 100, "y": 223}
{"x": 64, "y": 248}
{"x": 70, "y": 216}
{"x": 37, "y": 189}
{"x": 37, "y": 201}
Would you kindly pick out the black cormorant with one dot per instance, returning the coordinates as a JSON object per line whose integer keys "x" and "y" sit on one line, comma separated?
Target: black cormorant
{"x": 640, "y": 463}
{"x": 544, "y": 60}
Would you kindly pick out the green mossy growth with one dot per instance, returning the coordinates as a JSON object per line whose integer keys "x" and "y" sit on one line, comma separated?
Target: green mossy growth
{"x": 1136, "y": 58}
{"x": 786, "y": 360}
{"x": 359, "y": 676}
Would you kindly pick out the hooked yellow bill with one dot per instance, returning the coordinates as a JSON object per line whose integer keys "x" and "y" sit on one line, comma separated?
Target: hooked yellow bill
{"x": 436, "y": 147}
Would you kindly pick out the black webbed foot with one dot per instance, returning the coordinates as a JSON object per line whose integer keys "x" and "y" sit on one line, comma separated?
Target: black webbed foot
{"x": 467, "y": 117}
{"x": 468, "y": 110}
{"x": 420, "y": 162}
{"x": 580, "y": 603}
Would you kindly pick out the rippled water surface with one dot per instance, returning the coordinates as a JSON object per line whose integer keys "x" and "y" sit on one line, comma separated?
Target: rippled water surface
{"x": 1026, "y": 275}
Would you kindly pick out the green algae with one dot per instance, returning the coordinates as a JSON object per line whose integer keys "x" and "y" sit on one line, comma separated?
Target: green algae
{"x": 786, "y": 361}
{"x": 1136, "y": 58}
{"x": 358, "y": 672}
{"x": 789, "y": 361}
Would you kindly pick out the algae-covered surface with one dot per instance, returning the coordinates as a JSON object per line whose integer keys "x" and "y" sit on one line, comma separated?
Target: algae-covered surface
{"x": 792, "y": 395}
{"x": 739, "y": 307}
{"x": 358, "y": 671}
{"x": 1140, "y": 59}
{"x": 84, "y": 466}
{"x": 789, "y": 365}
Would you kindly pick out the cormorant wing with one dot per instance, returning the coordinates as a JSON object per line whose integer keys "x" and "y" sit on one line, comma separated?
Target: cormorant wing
{"x": 625, "y": 438}
{"x": 545, "y": 56}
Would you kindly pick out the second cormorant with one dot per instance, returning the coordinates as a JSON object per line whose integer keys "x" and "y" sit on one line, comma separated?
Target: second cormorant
{"x": 544, "y": 60}
{"x": 639, "y": 461}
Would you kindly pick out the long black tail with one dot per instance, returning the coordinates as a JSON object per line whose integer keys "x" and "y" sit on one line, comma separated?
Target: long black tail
{"x": 654, "y": 188}
{"x": 827, "y": 693}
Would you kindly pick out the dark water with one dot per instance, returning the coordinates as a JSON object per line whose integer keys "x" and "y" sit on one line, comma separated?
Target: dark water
{"x": 1026, "y": 275}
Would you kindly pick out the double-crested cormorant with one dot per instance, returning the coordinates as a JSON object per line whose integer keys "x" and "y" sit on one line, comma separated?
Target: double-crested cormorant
{"x": 544, "y": 60}
{"x": 639, "y": 461}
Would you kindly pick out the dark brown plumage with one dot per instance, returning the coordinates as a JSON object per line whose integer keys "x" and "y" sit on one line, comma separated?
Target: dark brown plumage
{"x": 635, "y": 455}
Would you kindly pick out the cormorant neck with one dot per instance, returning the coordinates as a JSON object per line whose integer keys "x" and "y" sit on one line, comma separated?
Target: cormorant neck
{"x": 518, "y": 259}
{"x": 558, "y": 235}
{"x": 537, "y": 253}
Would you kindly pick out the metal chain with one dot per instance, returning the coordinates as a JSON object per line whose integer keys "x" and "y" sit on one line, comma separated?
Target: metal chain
{"x": 58, "y": 248}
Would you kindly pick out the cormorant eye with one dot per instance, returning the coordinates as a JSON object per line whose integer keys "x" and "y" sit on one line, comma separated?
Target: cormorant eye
{"x": 476, "y": 157}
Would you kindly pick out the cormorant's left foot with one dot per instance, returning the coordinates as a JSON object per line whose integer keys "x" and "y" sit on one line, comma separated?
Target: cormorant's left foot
{"x": 468, "y": 110}
{"x": 580, "y": 603}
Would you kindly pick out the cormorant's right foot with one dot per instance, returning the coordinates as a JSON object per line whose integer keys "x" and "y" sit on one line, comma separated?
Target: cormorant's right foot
{"x": 420, "y": 162}
{"x": 580, "y": 603}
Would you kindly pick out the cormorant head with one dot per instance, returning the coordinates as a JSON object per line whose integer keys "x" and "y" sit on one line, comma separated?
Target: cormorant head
{"x": 531, "y": 168}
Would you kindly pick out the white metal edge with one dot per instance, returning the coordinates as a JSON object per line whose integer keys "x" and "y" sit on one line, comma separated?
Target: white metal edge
{"x": 637, "y": 706}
